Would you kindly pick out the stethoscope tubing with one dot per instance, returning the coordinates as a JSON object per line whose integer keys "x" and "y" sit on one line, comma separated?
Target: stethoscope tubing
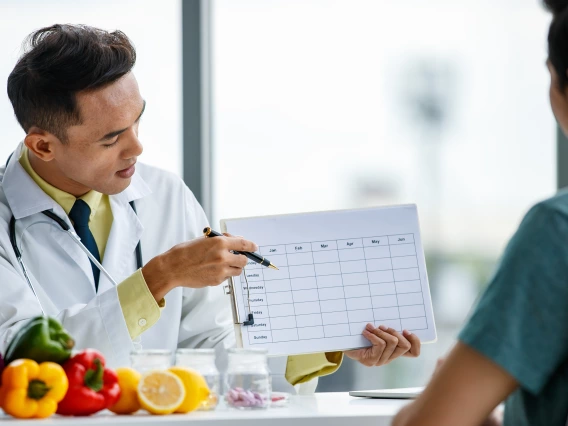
{"x": 93, "y": 259}
{"x": 77, "y": 239}
{"x": 73, "y": 235}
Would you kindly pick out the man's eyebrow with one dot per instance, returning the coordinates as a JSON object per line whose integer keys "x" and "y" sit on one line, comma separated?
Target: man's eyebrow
{"x": 118, "y": 132}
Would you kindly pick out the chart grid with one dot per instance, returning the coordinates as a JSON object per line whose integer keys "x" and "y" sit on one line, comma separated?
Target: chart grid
{"x": 326, "y": 289}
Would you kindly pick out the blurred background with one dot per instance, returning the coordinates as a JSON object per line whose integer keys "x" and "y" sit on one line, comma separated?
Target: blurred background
{"x": 338, "y": 104}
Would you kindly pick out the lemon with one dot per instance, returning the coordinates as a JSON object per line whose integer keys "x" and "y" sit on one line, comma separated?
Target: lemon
{"x": 128, "y": 380}
{"x": 196, "y": 389}
{"x": 160, "y": 392}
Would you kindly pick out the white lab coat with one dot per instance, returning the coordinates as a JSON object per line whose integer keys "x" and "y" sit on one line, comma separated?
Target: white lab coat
{"x": 168, "y": 214}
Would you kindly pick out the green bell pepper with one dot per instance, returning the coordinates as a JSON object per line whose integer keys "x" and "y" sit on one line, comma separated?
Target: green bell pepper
{"x": 41, "y": 339}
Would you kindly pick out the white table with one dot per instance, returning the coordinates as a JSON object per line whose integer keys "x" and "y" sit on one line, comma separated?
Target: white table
{"x": 322, "y": 409}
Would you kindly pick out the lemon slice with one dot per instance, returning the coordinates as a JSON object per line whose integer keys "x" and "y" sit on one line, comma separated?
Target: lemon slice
{"x": 196, "y": 389}
{"x": 160, "y": 392}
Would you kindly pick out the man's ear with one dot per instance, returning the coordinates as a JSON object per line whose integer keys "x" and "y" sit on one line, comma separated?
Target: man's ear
{"x": 41, "y": 143}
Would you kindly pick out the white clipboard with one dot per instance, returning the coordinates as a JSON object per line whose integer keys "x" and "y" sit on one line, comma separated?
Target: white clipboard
{"x": 371, "y": 260}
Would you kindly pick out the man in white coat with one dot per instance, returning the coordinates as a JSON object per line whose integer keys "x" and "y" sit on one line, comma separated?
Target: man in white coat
{"x": 76, "y": 98}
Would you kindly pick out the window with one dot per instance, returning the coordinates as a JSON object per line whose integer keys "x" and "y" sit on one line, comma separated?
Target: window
{"x": 155, "y": 30}
{"x": 345, "y": 104}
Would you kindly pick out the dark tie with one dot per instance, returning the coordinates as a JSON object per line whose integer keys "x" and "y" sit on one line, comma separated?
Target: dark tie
{"x": 79, "y": 214}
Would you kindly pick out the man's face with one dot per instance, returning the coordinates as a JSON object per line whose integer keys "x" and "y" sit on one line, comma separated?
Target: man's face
{"x": 101, "y": 152}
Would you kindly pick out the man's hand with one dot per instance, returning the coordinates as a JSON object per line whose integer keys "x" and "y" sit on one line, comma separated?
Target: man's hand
{"x": 387, "y": 344}
{"x": 198, "y": 263}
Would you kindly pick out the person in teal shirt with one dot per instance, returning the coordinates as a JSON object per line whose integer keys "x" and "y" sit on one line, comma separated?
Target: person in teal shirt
{"x": 514, "y": 347}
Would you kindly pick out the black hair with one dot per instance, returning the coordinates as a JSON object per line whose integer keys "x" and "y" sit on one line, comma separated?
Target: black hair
{"x": 58, "y": 62}
{"x": 558, "y": 39}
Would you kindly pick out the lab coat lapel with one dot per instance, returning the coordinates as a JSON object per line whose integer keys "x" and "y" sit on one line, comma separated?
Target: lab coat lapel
{"x": 119, "y": 257}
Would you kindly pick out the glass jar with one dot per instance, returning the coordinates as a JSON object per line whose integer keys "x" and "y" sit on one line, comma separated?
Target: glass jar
{"x": 203, "y": 361}
{"x": 247, "y": 382}
{"x": 151, "y": 359}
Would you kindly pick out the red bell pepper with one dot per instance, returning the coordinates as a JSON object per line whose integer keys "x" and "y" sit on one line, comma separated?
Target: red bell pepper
{"x": 92, "y": 387}
{"x": 2, "y": 365}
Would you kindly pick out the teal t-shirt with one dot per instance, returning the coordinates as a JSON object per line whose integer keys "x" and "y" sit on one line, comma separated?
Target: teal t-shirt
{"x": 521, "y": 321}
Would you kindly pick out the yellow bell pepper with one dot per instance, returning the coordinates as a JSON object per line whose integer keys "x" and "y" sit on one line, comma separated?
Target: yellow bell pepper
{"x": 30, "y": 390}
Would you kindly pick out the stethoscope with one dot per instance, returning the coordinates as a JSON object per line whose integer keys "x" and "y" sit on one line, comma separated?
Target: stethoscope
{"x": 71, "y": 232}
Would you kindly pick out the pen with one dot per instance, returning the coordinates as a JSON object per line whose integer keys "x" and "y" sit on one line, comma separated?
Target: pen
{"x": 208, "y": 232}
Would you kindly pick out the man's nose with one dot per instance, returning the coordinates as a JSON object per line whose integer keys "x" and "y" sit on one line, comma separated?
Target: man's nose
{"x": 134, "y": 148}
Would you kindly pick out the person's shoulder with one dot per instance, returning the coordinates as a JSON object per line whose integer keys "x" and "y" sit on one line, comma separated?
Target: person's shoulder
{"x": 557, "y": 204}
{"x": 545, "y": 225}
{"x": 550, "y": 212}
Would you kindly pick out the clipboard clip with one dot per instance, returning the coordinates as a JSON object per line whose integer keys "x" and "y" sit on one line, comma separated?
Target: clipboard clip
{"x": 229, "y": 290}
{"x": 250, "y": 320}
{"x": 250, "y": 316}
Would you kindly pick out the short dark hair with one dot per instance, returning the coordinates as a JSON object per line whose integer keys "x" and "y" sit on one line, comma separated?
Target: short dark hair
{"x": 58, "y": 62}
{"x": 558, "y": 39}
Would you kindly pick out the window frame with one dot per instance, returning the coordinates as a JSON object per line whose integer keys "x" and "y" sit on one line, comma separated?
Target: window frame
{"x": 196, "y": 87}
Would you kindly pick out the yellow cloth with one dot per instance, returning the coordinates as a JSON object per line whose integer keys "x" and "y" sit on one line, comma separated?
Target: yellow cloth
{"x": 138, "y": 305}
{"x": 303, "y": 368}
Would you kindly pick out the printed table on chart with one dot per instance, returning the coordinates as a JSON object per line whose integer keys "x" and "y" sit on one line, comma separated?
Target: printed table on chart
{"x": 334, "y": 288}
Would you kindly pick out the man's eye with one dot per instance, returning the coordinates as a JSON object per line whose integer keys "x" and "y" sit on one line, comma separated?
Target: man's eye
{"x": 112, "y": 143}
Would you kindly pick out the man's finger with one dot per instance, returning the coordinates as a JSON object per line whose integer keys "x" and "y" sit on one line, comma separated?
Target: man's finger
{"x": 240, "y": 244}
{"x": 354, "y": 354}
{"x": 390, "y": 341}
{"x": 414, "y": 342}
{"x": 374, "y": 354}
{"x": 403, "y": 345}
{"x": 226, "y": 234}
{"x": 374, "y": 339}
{"x": 237, "y": 260}
{"x": 363, "y": 356}
{"x": 368, "y": 356}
